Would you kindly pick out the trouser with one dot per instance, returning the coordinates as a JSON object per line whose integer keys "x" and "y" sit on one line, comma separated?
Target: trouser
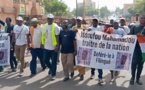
{"x": 136, "y": 65}
{"x": 20, "y": 52}
{"x": 1, "y": 68}
{"x": 74, "y": 61}
{"x": 50, "y": 54}
{"x": 58, "y": 54}
{"x": 67, "y": 63}
{"x": 100, "y": 73}
{"x": 13, "y": 61}
{"x": 36, "y": 52}
{"x": 81, "y": 70}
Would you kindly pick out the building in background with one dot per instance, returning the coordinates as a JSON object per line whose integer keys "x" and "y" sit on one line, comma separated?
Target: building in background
{"x": 126, "y": 7}
{"x": 25, "y": 8}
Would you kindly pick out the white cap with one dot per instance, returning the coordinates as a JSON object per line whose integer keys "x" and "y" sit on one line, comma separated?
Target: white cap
{"x": 34, "y": 20}
{"x": 19, "y": 18}
{"x": 79, "y": 18}
{"x": 50, "y": 16}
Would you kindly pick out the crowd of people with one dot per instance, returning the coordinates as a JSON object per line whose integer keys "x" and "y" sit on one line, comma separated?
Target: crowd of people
{"x": 49, "y": 40}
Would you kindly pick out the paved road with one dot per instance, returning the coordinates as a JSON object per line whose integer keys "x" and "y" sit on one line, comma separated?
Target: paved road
{"x": 11, "y": 81}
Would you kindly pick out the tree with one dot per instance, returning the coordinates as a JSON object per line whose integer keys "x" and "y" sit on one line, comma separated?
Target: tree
{"x": 56, "y": 7}
{"x": 104, "y": 12}
{"x": 90, "y": 11}
{"x": 139, "y": 7}
{"x": 118, "y": 11}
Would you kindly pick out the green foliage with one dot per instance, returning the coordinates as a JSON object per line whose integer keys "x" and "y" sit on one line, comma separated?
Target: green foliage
{"x": 104, "y": 12}
{"x": 56, "y": 7}
{"x": 90, "y": 11}
{"x": 139, "y": 7}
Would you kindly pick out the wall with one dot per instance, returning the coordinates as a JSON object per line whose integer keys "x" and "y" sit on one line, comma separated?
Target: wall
{"x": 7, "y": 10}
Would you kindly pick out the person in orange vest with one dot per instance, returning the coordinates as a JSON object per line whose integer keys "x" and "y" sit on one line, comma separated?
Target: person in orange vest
{"x": 36, "y": 50}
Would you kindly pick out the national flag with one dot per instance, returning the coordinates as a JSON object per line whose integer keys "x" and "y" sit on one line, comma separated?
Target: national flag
{"x": 141, "y": 40}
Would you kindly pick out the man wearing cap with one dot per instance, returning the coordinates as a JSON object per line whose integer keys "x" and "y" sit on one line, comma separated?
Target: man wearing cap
{"x": 36, "y": 50}
{"x": 21, "y": 39}
{"x": 79, "y": 25}
{"x": 50, "y": 40}
{"x": 123, "y": 26}
{"x": 95, "y": 27}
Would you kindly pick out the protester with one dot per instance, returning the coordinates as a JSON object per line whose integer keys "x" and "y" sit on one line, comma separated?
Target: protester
{"x": 50, "y": 40}
{"x": 68, "y": 50}
{"x": 95, "y": 27}
{"x": 21, "y": 37}
{"x": 137, "y": 63}
{"x": 118, "y": 31}
{"x": 73, "y": 23}
{"x": 36, "y": 50}
{"x": 79, "y": 25}
{"x": 123, "y": 26}
{"x": 8, "y": 28}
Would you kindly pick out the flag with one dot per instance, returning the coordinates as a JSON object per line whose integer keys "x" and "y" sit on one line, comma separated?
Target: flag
{"x": 141, "y": 40}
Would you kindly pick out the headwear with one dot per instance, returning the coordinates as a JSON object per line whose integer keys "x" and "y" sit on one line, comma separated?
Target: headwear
{"x": 95, "y": 18}
{"x": 19, "y": 18}
{"x": 50, "y": 16}
{"x": 34, "y": 20}
{"x": 79, "y": 18}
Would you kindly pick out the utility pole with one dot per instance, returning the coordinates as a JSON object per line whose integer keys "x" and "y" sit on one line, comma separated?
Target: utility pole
{"x": 76, "y": 8}
{"x": 84, "y": 9}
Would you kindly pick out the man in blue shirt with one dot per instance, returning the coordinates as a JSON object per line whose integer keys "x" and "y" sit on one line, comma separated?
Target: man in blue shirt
{"x": 68, "y": 50}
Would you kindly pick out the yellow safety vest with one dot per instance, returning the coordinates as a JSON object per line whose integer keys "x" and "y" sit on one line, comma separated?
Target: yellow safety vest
{"x": 43, "y": 38}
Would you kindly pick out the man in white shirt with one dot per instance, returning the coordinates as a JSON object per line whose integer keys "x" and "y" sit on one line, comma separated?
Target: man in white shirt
{"x": 123, "y": 26}
{"x": 36, "y": 50}
{"x": 21, "y": 38}
{"x": 50, "y": 40}
{"x": 96, "y": 27}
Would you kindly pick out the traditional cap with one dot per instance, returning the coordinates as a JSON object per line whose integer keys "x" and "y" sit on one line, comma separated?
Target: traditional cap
{"x": 19, "y": 18}
{"x": 34, "y": 20}
{"x": 79, "y": 18}
{"x": 50, "y": 16}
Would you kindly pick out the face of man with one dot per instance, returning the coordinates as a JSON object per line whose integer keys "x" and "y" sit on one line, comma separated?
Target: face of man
{"x": 19, "y": 22}
{"x": 123, "y": 59}
{"x": 34, "y": 24}
{"x": 50, "y": 20}
{"x": 8, "y": 21}
{"x": 65, "y": 25}
{"x": 79, "y": 22}
{"x": 115, "y": 25}
{"x": 142, "y": 20}
{"x": 122, "y": 22}
{"x": 95, "y": 23}
{"x": 84, "y": 55}
{"x": 111, "y": 22}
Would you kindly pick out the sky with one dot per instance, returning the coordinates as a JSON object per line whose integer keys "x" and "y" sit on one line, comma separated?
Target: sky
{"x": 111, "y": 4}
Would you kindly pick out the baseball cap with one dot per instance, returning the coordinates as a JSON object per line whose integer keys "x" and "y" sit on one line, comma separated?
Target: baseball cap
{"x": 34, "y": 20}
{"x": 19, "y": 18}
{"x": 79, "y": 18}
{"x": 95, "y": 19}
{"x": 50, "y": 16}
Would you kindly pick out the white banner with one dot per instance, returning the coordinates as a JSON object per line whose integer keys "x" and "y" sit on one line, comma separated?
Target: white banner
{"x": 4, "y": 49}
{"x": 104, "y": 51}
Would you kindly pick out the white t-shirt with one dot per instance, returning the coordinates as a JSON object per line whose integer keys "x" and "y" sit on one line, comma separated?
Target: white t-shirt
{"x": 20, "y": 34}
{"x": 126, "y": 30}
{"x": 37, "y": 37}
{"x": 119, "y": 31}
{"x": 98, "y": 28}
{"x": 48, "y": 42}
